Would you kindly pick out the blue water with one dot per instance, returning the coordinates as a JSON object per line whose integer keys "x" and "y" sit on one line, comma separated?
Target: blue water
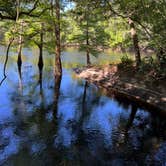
{"x": 71, "y": 122}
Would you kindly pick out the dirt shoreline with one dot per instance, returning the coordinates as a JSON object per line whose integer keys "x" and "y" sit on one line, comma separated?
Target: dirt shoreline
{"x": 127, "y": 84}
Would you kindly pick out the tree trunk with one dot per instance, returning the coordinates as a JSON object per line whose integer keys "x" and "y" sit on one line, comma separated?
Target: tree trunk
{"x": 6, "y": 60}
{"x": 40, "y": 62}
{"x": 135, "y": 42}
{"x": 88, "y": 58}
{"x": 58, "y": 65}
{"x": 19, "y": 63}
{"x": 87, "y": 54}
{"x": 19, "y": 58}
{"x": 40, "y": 65}
{"x": 87, "y": 38}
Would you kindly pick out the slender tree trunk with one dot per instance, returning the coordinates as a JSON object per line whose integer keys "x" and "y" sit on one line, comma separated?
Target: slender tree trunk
{"x": 58, "y": 65}
{"x": 87, "y": 38}
{"x": 135, "y": 42}
{"x": 19, "y": 60}
{"x": 40, "y": 62}
{"x": 87, "y": 51}
{"x": 40, "y": 65}
{"x": 19, "y": 57}
{"x": 10, "y": 43}
{"x": 6, "y": 60}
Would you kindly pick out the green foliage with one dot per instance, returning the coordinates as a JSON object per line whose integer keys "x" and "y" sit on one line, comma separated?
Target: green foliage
{"x": 151, "y": 66}
{"x": 147, "y": 64}
{"x": 70, "y": 29}
{"x": 126, "y": 61}
{"x": 91, "y": 24}
{"x": 118, "y": 31}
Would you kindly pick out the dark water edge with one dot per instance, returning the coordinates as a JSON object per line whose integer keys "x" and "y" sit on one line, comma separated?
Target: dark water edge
{"x": 70, "y": 122}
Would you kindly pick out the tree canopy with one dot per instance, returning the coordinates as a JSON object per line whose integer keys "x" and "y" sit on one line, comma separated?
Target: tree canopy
{"x": 93, "y": 25}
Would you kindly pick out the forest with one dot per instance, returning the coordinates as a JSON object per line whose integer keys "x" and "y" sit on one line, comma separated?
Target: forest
{"x": 82, "y": 82}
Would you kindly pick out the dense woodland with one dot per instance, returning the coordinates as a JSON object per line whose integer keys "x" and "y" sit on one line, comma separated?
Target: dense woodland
{"x": 92, "y": 25}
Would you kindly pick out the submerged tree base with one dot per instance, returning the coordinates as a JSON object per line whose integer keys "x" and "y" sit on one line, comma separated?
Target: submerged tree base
{"x": 128, "y": 83}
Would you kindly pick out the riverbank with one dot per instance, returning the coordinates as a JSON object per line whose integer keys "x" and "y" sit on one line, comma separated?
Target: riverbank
{"x": 127, "y": 83}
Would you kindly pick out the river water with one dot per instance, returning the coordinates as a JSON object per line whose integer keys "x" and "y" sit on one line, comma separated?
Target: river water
{"x": 67, "y": 121}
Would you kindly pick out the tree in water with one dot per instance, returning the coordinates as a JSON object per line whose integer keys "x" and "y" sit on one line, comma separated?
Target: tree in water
{"x": 57, "y": 86}
{"x": 92, "y": 36}
{"x": 123, "y": 9}
{"x": 40, "y": 45}
{"x": 58, "y": 65}
{"x": 20, "y": 42}
{"x": 134, "y": 37}
{"x": 39, "y": 42}
{"x": 10, "y": 10}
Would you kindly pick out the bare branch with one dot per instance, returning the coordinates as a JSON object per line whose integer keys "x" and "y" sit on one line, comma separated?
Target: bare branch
{"x": 6, "y": 60}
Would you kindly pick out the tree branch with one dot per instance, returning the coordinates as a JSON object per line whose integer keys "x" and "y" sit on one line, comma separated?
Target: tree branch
{"x": 128, "y": 16}
{"x": 21, "y": 13}
{"x": 2, "y": 17}
{"x": 6, "y": 60}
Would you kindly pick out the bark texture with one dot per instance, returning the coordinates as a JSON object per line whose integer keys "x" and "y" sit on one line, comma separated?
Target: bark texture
{"x": 58, "y": 65}
{"x": 135, "y": 42}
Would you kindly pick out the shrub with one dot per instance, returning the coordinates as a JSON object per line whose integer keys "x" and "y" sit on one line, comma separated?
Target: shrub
{"x": 126, "y": 61}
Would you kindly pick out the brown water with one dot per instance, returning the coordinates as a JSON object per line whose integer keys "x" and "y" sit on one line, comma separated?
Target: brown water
{"x": 70, "y": 122}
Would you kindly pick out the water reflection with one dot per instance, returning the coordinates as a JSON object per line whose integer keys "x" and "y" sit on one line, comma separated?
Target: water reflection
{"x": 58, "y": 79}
{"x": 134, "y": 109}
{"x": 84, "y": 101}
{"x": 64, "y": 121}
{"x": 20, "y": 79}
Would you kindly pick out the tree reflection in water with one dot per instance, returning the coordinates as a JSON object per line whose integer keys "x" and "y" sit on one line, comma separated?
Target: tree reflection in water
{"x": 67, "y": 121}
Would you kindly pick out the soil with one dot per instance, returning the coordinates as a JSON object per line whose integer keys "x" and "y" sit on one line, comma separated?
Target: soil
{"x": 127, "y": 82}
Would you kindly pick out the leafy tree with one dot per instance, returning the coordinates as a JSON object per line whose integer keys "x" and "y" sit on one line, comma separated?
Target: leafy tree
{"x": 146, "y": 17}
{"x": 118, "y": 31}
{"x": 91, "y": 24}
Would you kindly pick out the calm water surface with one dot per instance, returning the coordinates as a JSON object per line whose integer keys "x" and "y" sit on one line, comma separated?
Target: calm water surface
{"x": 66, "y": 121}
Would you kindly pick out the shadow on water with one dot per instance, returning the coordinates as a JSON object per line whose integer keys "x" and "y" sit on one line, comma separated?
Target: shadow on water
{"x": 47, "y": 120}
